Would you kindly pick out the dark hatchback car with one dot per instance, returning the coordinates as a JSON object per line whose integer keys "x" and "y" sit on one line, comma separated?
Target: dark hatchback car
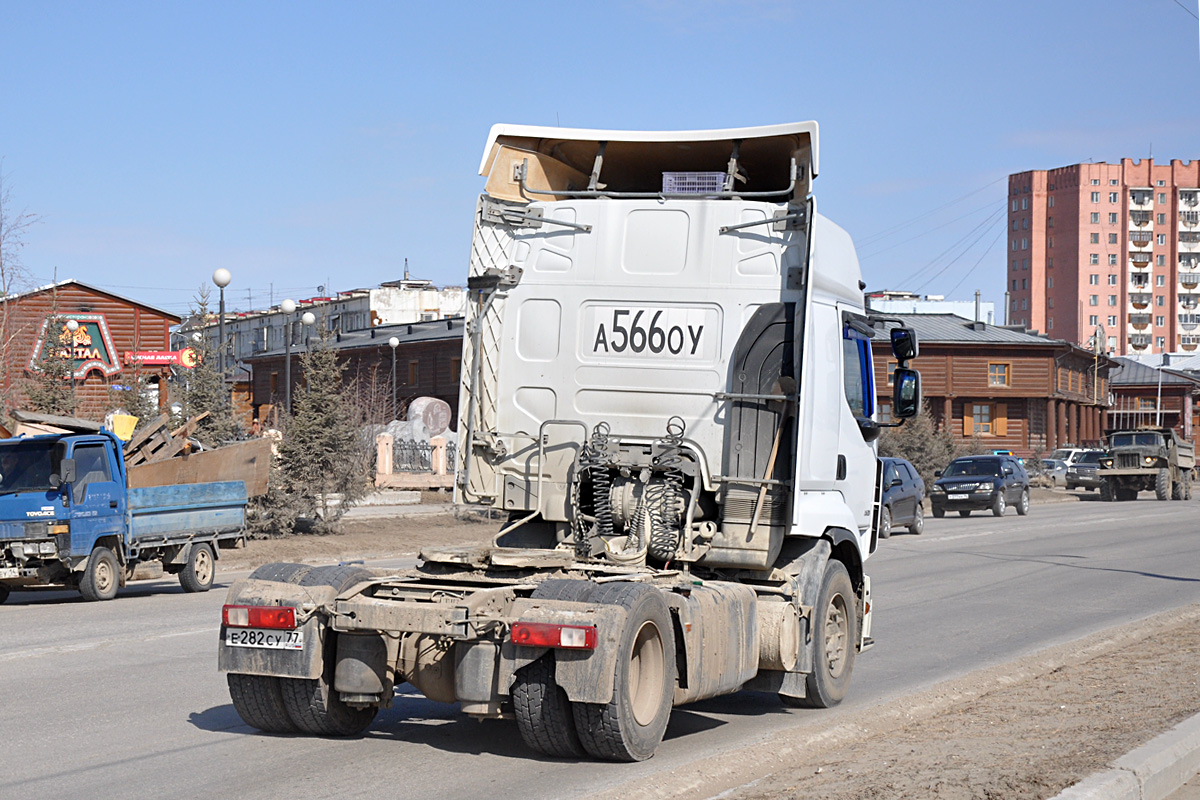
{"x": 903, "y": 492}
{"x": 978, "y": 483}
{"x": 1085, "y": 471}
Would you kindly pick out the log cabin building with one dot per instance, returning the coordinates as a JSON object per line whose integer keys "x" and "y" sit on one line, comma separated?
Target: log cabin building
{"x": 1153, "y": 396}
{"x": 1013, "y": 389}
{"x": 102, "y": 346}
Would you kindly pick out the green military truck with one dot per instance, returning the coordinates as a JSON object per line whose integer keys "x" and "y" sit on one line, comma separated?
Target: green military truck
{"x": 1149, "y": 459}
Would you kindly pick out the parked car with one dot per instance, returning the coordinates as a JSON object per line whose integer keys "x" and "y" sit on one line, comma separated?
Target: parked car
{"x": 977, "y": 483}
{"x": 1055, "y": 470}
{"x": 1070, "y": 454}
{"x": 1086, "y": 471}
{"x": 903, "y": 493}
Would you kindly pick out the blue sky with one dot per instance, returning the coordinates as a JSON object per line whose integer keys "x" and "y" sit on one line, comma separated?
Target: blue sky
{"x": 300, "y": 144}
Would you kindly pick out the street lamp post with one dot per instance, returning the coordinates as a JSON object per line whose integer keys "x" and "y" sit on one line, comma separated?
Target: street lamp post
{"x": 288, "y": 307}
{"x": 221, "y": 278}
{"x": 72, "y": 326}
{"x": 394, "y": 343}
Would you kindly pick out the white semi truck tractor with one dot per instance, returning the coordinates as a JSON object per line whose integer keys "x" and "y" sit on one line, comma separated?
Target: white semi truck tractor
{"x": 667, "y": 388}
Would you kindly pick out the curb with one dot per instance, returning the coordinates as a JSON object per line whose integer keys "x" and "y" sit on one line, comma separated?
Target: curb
{"x": 1151, "y": 772}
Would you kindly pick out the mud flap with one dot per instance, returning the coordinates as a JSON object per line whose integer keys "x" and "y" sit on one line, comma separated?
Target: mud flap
{"x": 304, "y": 663}
{"x": 585, "y": 675}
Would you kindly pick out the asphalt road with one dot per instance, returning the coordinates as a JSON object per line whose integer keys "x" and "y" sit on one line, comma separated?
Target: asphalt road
{"x": 122, "y": 699}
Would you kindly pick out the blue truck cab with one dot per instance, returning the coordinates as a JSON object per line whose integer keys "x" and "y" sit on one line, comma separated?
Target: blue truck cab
{"x": 68, "y": 518}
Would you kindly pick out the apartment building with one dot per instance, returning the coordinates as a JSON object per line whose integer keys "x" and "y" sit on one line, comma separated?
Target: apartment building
{"x": 1107, "y": 254}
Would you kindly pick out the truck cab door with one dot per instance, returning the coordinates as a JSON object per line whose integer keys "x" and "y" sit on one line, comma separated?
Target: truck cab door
{"x": 97, "y": 498}
{"x": 857, "y": 431}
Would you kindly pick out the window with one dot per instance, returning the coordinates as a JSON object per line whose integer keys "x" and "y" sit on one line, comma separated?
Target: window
{"x": 1094, "y": 238}
{"x": 1024, "y": 244}
{"x": 890, "y": 368}
{"x": 1160, "y": 342}
{"x": 412, "y": 372}
{"x": 1112, "y": 321}
{"x": 1112, "y": 299}
{"x": 857, "y": 375}
{"x": 1014, "y": 244}
{"x": 1112, "y": 280}
{"x": 1158, "y": 300}
{"x": 1024, "y": 263}
{"x": 1112, "y": 182}
{"x": 1024, "y": 203}
{"x": 1050, "y": 201}
{"x": 1145, "y": 404}
{"x": 998, "y": 374}
{"x": 1160, "y": 321}
{"x": 1094, "y": 280}
{"x": 1161, "y": 220}
{"x": 1112, "y": 259}
{"x": 885, "y": 411}
{"x": 1050, "y": 324}
{"x": 1014, "y": 284}
{"x": 981, "y": 418}
{"x": 1093, "y": 299}
{"x": 1095, "y": 217}
{"x": 1014, "y": 205}
{"x": 274, "y": 383}
{"x": 1160, "y": 280}
{"x": 1024, "y": 304}
{"x": 455, "y": 368}
{"x": 1050, "y": 282}
{"x": 1014, "y": 265}
{"x": 1049, "y": 263}
{"x": 1095, "y": 181}
{"x": 1050, "y": 302}
{"x": 1093, "y": 320}
{"x": 1014, "y": 225}
{"x": 1112, "y": 197}
{"x": 1160, "y": 260}
{"x": 1112, "y": 218}
{"x": 1112, "y": 238}
{"x": 1095, "y": 197}
{"x": 91, "y": 466}
{"x": 1160, "y": 183}
{"x": 1162, "y": 198}
{"x": 1025, "y": 224}
{"x": 1161, "y": 238}
{"x": 1049, "y": 241}
{"x": 1024, "y": 283}
{"x": 1094, "y": 258}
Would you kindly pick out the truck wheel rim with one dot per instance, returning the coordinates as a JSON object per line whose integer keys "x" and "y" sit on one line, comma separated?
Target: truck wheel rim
{"x": 837, "y": 635}
{"x": 647, "y": 666}
{"x": 203, "y": 566}
{"x": 103, "y": 576}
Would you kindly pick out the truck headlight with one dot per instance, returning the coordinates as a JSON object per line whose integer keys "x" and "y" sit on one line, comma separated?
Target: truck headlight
{"x": 1149, "y": 459}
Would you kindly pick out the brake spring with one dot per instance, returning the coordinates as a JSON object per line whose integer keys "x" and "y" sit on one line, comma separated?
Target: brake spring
{"x": 664, "y": 513}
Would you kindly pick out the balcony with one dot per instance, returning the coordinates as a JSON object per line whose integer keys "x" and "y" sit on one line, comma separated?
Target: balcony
{"x": 1139, "y": 299}
{"x": 1139, "y": 320}
{"x": 1139, "y": 339}
{"x": 1141, "y": 218}
{"x": 1189, "y": 199}
{"x": 1189, "y": 260}
{"x": 1140, "y": 280}
{"x": 1141, "y": 197}
{"x": 1189, "y": 280}
{"x": 1189, "y": 341}
{"x": 1189, "y": 301}
{"x": 1142, "y": 238}
{"x": 1140, "y": 258}
{"x": 1189, "y": 321}
{"x": 1189, "y": 218}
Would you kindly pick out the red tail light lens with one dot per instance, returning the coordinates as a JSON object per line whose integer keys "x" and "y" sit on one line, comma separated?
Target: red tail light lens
{"x": 543, "y": 634}
{"x": 278, "y": 617}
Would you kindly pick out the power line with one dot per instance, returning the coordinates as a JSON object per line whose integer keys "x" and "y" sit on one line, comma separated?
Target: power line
{"x": 924, "y": 233}
{"x": 985, "y": 225}
{"x": 977, "y": 263}
{"x": 1188, "y": 10}
{"x": 998, "y": 217}
{"x": 870, "y": 238}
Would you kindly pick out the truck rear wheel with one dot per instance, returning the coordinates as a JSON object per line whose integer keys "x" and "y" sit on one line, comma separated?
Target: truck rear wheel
{"x": 101, "y": 577}
{"x": 197, "y": 575}
{"x": 312, "y": 703}
{"x": 543, "y": 712}
{"x": 1162, "y": 484}
{"x": 835, "y": 631}
{"x": 631, "y": 726}
{"x": 258, "y": 700}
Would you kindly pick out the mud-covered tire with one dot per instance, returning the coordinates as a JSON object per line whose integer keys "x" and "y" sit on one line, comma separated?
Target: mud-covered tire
{"x": 631, "y": 726}
{"x": 885, "y": 522}
{"x": 1162, "y": 484}
{"x": 1107, "y": 495}
{"x": 1023, "y": 503}
{"x": 543, "y": 712}
{"x": 201, "y": 569}
{"x": 312, "y": 703}
{"x": 258, "y": 700}
{"x": 999, "y": 505}
{"x": 918, "y": 524}
{"x": 938, "y": 513}
{"x": 834, "y": 635}
{"x": 966, "y": 512}
{"x": 101, "y": 577}
{"x": 1187, "y": 492}
{"x": 281, "y": 572}
{"x": 1176, "y": 490}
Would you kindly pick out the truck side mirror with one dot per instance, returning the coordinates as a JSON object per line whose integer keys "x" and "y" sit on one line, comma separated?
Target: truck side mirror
{"x": 67, "y": 468}
{"x": 906, "y": 392}
{"x": 904, "y": 344}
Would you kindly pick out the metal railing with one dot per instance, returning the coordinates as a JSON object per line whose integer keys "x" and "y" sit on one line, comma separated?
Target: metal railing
{"x": 409, "y": 456}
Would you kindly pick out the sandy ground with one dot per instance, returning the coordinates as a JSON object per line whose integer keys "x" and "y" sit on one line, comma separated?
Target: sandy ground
{"x": 1026, "y": 729}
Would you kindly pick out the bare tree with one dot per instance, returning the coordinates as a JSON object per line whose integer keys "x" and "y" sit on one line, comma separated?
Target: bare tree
{"x": 14, "y": 276}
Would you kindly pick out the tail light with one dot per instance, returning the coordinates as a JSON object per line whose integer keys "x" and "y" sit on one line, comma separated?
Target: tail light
{"x": 543, "y": 634}
{"x": 278, "y": 617}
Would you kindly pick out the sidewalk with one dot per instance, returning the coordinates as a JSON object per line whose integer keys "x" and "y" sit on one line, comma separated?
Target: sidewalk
{"x": 1158, "y": 770}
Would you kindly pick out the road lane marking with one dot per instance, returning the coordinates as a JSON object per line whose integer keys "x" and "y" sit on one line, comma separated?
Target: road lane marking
{"x": 79, "y": 647}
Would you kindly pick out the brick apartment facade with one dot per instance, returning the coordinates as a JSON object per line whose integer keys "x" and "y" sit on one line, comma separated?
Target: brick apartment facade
{"x": 1115, "y": 246}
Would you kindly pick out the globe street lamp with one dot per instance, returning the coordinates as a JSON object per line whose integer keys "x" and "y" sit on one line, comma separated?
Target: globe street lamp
{"x": 221, "y": 278}
{"x": 72, "y": 326}
{"x": 288, "y": 307}
{"x": 308, "y": 318}
{"x": 394, "y": 343}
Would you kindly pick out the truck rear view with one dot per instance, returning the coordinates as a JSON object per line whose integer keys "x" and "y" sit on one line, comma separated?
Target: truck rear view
{"x": 667, "y": 387}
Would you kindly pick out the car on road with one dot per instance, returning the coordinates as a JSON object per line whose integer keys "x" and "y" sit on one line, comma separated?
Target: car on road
{"x": 1055, "y": 470}
{"x": 979, "y": 483}
{"x": 1085, "y": 473}
{"x": 903, "y": 495}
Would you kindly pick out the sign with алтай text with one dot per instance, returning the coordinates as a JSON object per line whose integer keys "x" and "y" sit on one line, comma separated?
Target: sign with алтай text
{"x": 88, "y": 347}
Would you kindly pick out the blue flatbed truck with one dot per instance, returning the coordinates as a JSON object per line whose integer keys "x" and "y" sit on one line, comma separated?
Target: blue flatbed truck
{"x": 68, "y": 518}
